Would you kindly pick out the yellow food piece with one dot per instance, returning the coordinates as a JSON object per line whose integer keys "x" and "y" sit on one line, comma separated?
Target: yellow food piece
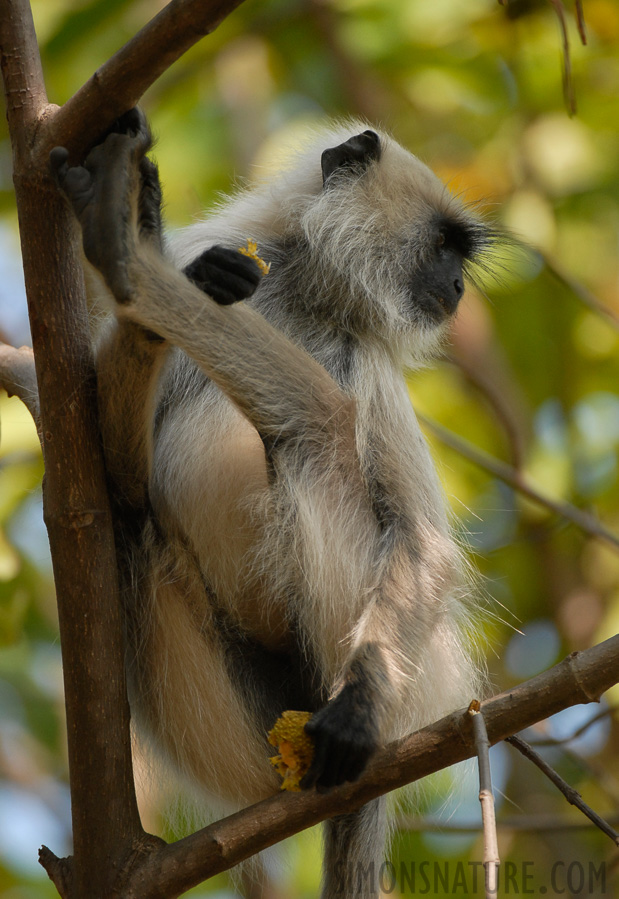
{"x": 295, "y": 748}
{"x": 251, "y": 250}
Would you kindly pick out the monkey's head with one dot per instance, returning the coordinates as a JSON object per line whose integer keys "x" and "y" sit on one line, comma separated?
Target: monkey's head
{"x": 383, "y": 227}
{"x": 362, "y": 235}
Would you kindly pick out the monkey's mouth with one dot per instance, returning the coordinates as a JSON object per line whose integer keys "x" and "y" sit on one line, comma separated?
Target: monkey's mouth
{"x": 436, "y": 307}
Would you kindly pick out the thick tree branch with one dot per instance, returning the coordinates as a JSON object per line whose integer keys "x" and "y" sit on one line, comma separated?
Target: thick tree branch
{"x": 120, "y": 83}
{"x": 76, "y": 506}
{"x": 580, "y": 678}
{"x": 22, "y": 75}
{"x": 107, "y": 834}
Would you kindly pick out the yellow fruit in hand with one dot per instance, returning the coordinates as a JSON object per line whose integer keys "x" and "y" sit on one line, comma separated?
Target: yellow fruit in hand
{"x": 251, "y": 250}
{"x": 295, "y": 748}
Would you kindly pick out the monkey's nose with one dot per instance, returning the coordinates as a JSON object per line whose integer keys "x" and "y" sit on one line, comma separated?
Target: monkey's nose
{"x": 458, "y": 289}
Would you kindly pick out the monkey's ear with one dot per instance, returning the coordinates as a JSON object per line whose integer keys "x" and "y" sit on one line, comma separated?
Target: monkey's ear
{"x": 357, "y": 152}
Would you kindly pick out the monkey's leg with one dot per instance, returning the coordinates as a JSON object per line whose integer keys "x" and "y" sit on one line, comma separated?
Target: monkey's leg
{"x": 183, "y": 690}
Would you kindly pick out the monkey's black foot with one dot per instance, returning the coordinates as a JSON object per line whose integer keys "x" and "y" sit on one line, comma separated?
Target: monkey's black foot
{"x": 225, "y": 275}
{"x": 345, "y": 736}
{"x": 103, "y": 192}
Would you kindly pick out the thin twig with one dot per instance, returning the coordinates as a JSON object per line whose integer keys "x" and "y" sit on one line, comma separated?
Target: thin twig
{"x": 580, "y": 291}
{"x": 557, "y": 742}
{"x": 580, "y": 21}
{"x": 584, "y": 294}
{"x": 572, "y": 795}
{"x": 515, "y": 479}
{"x": 518, "y": 824}
{"x": 18, "y": 378}
{"x": 491, "y": 843}
{"x": 568, "y": 86}
{"x": 485, "y": 382}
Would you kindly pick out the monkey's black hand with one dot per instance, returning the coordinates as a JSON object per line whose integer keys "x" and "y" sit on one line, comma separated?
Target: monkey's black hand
{"x": 100, "y": 192}
{"x": 225, "y": 275}
{"x": 345, "y": 736}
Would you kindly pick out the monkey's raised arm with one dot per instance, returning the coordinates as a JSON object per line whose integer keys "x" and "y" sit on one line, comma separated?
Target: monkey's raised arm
{"x": 279, "y": 388}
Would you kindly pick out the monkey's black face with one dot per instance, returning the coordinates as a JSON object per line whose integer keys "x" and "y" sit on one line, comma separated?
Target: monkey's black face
{"x": 438, "y": 285}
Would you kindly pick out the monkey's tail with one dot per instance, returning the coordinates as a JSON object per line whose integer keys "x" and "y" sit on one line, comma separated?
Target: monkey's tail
{"x": 354, "y": 852}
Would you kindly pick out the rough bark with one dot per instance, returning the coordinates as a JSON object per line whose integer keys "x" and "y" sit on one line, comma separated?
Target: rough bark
{"x": 76, "y": 507}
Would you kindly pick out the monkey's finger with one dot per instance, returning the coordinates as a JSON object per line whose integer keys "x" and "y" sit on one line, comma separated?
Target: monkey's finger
{"x": 58, "y": 161}
{"x": 233, "y": 260}
{"x": 74, "y": 181}
{"x": 224, "y": 289}
{"x": 321, "y": 754}
{"x": 235, "y": 281}
{"x": 133, "y": 122}
{"x": 355, "y": 765}
{"x": 222, "y": 297}
{"x": 133, "y": 125}
{"x": 335, "y": 769}
{"x": 346, "y": 762}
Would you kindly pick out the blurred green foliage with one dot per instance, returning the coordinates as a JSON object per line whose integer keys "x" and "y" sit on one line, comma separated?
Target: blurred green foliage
{"x": 532, "y": 375}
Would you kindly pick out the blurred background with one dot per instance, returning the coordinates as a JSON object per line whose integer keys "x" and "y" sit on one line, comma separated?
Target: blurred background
{"x": 531, "y": 378}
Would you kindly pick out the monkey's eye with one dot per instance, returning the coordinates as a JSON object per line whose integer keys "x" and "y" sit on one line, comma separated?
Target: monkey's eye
{"x": 451, "y": 236}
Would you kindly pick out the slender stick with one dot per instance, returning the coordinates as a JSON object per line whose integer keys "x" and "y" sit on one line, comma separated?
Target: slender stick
{"x": 568, "y": 85}
{"x": 516, "y": 823}
{"x": 491, "y": 843}
{"x": 580, "y": 20}
{"x": 562, "y": 741}
{"x": 586, "y": 296}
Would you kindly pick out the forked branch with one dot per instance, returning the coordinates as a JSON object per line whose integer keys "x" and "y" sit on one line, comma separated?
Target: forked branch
{"x": 119, "y": 83}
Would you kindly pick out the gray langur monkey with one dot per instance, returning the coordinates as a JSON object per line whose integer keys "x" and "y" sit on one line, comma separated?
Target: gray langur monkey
{"x": 283, "y": 539}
